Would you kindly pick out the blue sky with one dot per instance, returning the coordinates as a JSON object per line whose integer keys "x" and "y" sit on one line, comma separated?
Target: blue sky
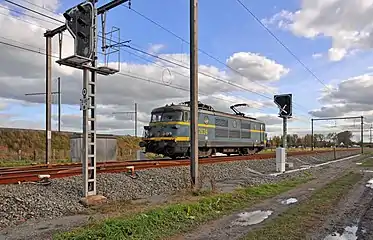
{"x": 224, "y": 29}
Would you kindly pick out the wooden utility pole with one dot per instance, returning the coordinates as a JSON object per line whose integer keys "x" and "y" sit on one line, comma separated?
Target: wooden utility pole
{"x": 194, "y": 93}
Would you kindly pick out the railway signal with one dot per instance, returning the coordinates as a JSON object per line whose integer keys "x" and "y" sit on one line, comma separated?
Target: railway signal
{"x": 80, "y": 22}
{"x": 284, "y": 103}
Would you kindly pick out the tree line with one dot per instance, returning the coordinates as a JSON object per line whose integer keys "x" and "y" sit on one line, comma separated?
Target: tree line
{"x": 320, "y": 140}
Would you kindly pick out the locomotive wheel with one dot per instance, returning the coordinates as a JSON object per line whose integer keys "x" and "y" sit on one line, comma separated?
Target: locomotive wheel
{"x": 252, "y": 151}
{"x": 205, "y": 152}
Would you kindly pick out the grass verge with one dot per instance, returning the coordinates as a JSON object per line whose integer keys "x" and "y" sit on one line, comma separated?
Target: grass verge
{"x": 173, "y": 219}
{"x": 367, "y": 162}
{"x": 21, "y": 163}
{"x": 307, "y": 216}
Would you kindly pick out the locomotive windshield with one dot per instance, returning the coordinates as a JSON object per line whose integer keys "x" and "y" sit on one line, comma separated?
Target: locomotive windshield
{"x": 167, "y": 116}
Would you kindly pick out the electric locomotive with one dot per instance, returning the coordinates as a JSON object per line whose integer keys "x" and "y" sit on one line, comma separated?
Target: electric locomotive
{"x": 218, "y": 132}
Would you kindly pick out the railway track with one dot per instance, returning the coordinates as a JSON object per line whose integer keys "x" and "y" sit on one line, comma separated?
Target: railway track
{"x": 10, "y": 175}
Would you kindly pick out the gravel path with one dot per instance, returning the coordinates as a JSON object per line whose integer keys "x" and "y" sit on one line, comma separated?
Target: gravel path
{"x": 19, "y": 203}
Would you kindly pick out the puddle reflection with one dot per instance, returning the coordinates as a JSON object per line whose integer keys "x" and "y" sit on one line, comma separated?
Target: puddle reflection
{"x": 251, "y": 218}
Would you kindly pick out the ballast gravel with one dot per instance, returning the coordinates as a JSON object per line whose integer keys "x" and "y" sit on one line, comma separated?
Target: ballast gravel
{"x": 21, "y": 202}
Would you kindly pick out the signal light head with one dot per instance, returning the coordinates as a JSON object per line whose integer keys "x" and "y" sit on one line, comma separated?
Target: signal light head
{"x": 81, "y": 9}
{"x": 82, "y": 22}
{"x": 81, "y": 35}
{"x": 67, "y": 16}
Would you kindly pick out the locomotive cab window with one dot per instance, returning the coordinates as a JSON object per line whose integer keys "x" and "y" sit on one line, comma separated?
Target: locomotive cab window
{"x": 167, "y": 116}
{"x": 172, "y": 116}
{"x": 186, "y": 117}
{"x": 156, "y": 117}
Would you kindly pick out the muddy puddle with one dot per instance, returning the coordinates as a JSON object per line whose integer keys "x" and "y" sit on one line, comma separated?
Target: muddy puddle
{"x": 369, "y": 183}
{"x": 252, "y": 218}
{"x": 289, "y": 201}
{"x": 349, "y": 233}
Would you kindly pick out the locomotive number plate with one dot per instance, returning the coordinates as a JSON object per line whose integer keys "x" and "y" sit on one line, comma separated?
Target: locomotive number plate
{"x": 203, "y": 131}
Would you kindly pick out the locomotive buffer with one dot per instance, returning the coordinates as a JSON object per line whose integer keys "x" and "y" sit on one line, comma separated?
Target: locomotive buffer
{"x": 284, "y": 103}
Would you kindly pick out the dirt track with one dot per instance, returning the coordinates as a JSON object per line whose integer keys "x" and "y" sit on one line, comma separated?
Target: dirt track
{"x": 354, "y": 212}
{"x": 355, "y": 209}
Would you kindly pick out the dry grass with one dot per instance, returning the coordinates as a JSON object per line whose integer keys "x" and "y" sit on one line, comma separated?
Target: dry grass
{"x": 23, "y": 145}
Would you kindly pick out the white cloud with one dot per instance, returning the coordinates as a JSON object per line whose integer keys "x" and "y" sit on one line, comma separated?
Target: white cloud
{"x": 256, "y": 67}
{"x": 282, "y": 19}
{"x": 336, "y": 54}
{"x": 350, "y": 97}
{"x": 347, "y": 23}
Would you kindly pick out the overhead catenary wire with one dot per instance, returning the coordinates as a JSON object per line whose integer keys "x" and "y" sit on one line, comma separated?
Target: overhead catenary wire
{"x": 202, "y": 73}
{"x": 182, "y": 39}
{"x": 146, "y": 79}
{"x": 183, "y": 75}
{"x": 36, "y": 5}
{"x": 180, "y": 65}
{"x": 120, "y": 73}
{"x": 281, "y": 43}
{"x": 36, "y": 12}
{"x": 123, "y": 74}
{"x": 201, "y": 50}
{"x": 187, "y": 42}
{"x": 172, "y": 62}
{"x": 25, "y": 14}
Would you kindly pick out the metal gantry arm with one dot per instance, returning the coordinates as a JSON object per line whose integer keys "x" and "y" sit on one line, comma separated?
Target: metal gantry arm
{"x": 59, "y": 101}
{"x": 340, "y": 118}
{"x": 131, "y": 112}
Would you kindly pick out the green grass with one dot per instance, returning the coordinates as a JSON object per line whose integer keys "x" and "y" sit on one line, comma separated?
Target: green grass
{"x": 307, "y": 216}
{"x": 174, "y": 219}
{"x": 367, "y": 162}
{"x": 19, "y": 163}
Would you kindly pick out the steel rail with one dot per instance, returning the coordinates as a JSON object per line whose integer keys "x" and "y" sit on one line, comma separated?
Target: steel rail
{"x": 10, "y": 175}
